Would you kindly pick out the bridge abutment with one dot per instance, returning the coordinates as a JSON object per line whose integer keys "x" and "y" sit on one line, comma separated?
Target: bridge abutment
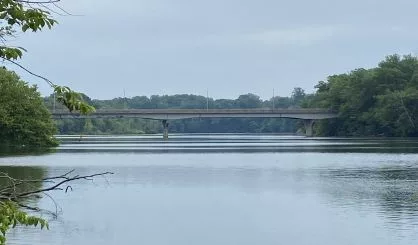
{"x": 309, "y": 127}
{"x": 165, "y": 129}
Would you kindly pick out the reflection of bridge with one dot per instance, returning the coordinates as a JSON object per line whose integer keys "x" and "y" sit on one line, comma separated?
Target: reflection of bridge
{"x": 307, "y": 115}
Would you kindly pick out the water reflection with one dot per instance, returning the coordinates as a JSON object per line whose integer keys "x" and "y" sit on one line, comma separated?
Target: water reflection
{"x": 183, "y": 143}
{"x": 23, "y": 173}
{"x": 232, "y": 189}
{"x": 394, "y": 190}
{"x": 6, "y": 151}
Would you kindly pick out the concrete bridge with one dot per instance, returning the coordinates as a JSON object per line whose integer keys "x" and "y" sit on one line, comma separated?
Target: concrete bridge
{"x": 307, "y": 115}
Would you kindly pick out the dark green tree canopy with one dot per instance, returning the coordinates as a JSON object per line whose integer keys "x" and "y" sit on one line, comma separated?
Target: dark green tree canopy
{"x": 24, "y": 119}
{"x": 298, "y": 94}
{"x": 249, "y": 101}
{"x": 378, "y": 101}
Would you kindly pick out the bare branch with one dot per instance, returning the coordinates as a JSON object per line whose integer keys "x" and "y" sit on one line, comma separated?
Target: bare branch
{"x": 55, "y": 203}
{"x": 36, "y": 209}
{"x": 37, "y": 2}
{"x": 12, "y": 193}
{"x": 53, "y": 11}
{"x": 411, "y": 121}
{"x": 54, "y": 187}
{"x": 61, "y": 176}
{"x": 29, "y": 207}
{"x": 33, "y": 74}
{"x": 65, "y": 11}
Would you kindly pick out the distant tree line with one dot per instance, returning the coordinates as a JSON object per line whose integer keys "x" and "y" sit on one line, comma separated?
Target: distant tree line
{"x": 184, "y": 101}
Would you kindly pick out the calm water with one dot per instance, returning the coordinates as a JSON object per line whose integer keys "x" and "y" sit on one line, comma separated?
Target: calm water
{"x": 228, "y": 189}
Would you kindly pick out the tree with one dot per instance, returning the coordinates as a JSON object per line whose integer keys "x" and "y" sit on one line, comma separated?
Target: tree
{"x": 248, "y": 101}
{"x": 24, "y": 15}
{"x": 378, "y": 101}
{"x": 298, "y": 95}
{"x": 24, "y": 119}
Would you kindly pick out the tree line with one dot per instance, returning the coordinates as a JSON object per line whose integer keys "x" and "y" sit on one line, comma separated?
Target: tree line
{"x": 381, "y": 101}
{"x": 183, "y": 101}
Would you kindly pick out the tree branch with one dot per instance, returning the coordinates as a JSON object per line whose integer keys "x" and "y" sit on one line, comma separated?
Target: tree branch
{"x": 38, "y": 2}
{"x": 33, "y": 74}
{"x": 406, "y": 110}
{"x": 17, "y": 195}
{"x": 54, "y": 187}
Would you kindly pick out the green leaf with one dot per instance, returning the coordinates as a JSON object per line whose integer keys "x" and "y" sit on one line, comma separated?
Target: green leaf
{"x": 25, "y": 27}
{"x": 11, "y": 21}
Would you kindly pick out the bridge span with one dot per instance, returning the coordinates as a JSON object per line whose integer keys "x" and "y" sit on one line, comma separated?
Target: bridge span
{"x": 307, "y": 115}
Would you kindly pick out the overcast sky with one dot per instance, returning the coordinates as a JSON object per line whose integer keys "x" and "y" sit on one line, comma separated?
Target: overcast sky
{"x": 228, "y": 47}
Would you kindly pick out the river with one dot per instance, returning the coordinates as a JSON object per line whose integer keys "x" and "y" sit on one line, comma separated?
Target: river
{"x": 227, "y": 189}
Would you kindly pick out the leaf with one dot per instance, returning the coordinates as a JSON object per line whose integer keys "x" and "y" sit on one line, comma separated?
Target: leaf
{"x": 25, "y": 27}
{"x": 11, "y": 21}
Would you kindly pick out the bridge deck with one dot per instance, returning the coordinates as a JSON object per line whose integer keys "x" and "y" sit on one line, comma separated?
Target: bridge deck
{"x": 166, "y": 114}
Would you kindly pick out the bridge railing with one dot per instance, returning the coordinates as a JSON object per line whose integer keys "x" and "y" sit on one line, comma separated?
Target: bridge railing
{"x": 203, "y": 111}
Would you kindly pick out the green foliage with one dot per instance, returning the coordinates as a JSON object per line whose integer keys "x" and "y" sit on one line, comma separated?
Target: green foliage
{"x": 72, "y": 100}
{"x": 379, "y": 101}
{"x": 11, "y": 216}
{"x": 298, "y": 95}
{"x": 23, "y": 16}
{"x": 24, "y": 119}
{"x": 14, "y": 15}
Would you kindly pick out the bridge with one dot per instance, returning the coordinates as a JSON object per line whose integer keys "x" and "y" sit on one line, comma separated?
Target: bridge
{"x": 307, "y": 115}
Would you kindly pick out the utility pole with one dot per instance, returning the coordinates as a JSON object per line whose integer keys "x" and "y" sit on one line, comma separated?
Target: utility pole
{"x": 124, "y": 99}
{"x": 53, "y": 109}
{"x": 207, "y": 100}
{"x": 273, "y": 98}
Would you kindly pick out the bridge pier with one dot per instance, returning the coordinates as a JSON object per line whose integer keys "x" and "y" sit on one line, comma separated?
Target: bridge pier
{"x": 165, "y": 129}
{"x": 308, "y": 127}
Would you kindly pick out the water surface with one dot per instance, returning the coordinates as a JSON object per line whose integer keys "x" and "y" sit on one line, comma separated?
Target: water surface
{"x": 228, "y": 189}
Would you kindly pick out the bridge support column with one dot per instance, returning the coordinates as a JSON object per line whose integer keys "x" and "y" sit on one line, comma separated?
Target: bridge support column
{"x": 165, "y": 129}
{"x": 308, "y": 127}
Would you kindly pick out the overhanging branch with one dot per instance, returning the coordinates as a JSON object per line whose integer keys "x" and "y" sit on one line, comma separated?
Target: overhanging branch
{"x": 30, "y": 72}
{"x": 15, "y": 191}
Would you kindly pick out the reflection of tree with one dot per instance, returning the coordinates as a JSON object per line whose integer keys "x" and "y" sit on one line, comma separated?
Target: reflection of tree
{"x": 22, "y": 184}
{"x": 22, "y": 173}
{"x": 400, "y": 196}
{"x": 23, "y": 151}
{"x": 394, "y": 190}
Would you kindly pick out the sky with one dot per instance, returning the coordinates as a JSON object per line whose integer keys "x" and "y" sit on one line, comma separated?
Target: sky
{"x": 221, "y": 47}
